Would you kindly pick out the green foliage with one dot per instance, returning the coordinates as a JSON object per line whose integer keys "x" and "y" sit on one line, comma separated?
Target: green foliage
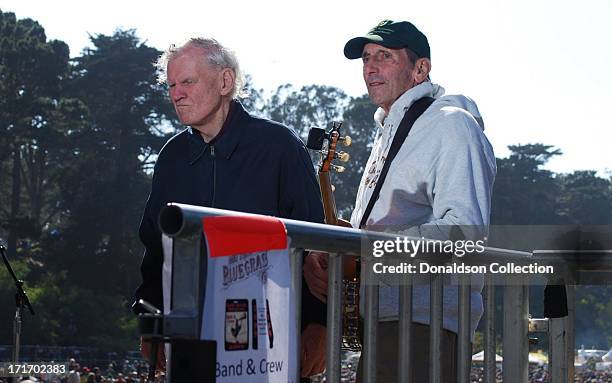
{"x": 78, "y": 139}
{"x": 479, "y": 343}
{"x": 7, "y": 297}
{"x": 311, "y": 106}
{"x": 593, "y": 313}
{"x": 523, "y": 193}
{"x": 585, "y": 198}
{"x": 67, "y": 314}
{"x": 318, "y": 106}
{"x": 105, "y": 184}
{"x": 252, "y": 98}
{"x": 34, "y": 117}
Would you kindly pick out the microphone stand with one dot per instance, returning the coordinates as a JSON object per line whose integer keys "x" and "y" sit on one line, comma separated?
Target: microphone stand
{"x": 21, "y": 300}
{"x": 153, "y": 317}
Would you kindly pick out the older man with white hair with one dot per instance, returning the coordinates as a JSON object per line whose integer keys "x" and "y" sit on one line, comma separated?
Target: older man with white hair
{"x": 227, "y": 159}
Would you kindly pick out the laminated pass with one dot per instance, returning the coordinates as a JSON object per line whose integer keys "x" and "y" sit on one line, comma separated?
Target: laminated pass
{"x": 248, "y": 308}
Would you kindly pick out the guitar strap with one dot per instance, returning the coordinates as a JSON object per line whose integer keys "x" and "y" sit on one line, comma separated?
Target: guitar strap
{"x": 414, "y": 112}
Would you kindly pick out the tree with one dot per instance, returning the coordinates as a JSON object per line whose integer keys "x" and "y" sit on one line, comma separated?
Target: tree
{"x": 34, "y": 120}
{"x": 105, "y": 189}
{"x": 524, "y": 193}
{"x": 593, "y": 311}
{"x": 318, "y": 106}
{"x": 359, "y": 125}
{"x": 586, "y": 198}
{"x": 252, "y": 98}
{"x": 311, "y": 106}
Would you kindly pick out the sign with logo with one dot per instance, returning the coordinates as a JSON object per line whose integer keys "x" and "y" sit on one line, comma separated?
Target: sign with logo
{"x": 248, "y": 308}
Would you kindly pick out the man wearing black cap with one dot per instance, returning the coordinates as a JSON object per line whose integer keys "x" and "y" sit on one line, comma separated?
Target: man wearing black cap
{"x": 438, "y": 176}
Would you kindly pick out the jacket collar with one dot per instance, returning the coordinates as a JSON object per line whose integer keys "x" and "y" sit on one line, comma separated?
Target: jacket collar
{"x": 403, "y": 103}
{"x": 226, "y": 141}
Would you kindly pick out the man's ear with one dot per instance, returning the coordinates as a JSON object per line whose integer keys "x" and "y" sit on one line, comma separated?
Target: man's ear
{"x": 228, "y": 79}
{"x": 422, "y": 67}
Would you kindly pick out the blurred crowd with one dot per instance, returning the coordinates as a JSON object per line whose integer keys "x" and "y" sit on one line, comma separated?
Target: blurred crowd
{"x": 539, "y": 374}
{"x": 135, "y": 371}
{"x": 126, "y": 371}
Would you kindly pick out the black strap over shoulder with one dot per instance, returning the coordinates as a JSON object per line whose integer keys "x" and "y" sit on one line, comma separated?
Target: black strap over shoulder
{"x": 414, "y": 112}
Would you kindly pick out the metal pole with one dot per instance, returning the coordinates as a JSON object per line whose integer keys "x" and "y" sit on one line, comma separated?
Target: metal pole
{"x": 570, "y": 330}
{"x": 464, "y": 358}
{"x": 17, "y": 333}
{"x": 557, "y": 350}
{"x": 334, "y": 318}
{"x": 404, "y": 358}
{"x": 490, "y": 365}
{"x": 370, "y": 323}
{"x": 435, "y": 334}
{"x": 21, "y": 300}
{"x": 516, "y": 341}
{"x": 296, "y": 286}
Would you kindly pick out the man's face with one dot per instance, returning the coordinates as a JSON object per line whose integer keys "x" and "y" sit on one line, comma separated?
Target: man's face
{"x": 387, "y": 74}
{"x": 195, "y": 87}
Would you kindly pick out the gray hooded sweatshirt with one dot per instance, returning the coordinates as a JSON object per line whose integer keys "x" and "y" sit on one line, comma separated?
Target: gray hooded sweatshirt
{"x": 442, "y": 176}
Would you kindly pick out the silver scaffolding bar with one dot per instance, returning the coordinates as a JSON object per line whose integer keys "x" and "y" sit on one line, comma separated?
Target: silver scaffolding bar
{"x": 570, "y": 329}
{"x": 557, "y": 360}
{"x": 516, "y": 322}
{"x": 296, "y": 288}
{"x": 404, "y": 356}
{"x": 370, "y": 323}
{"x": 490, "y": 364}
{"x": 180, "y": 220}
{"x": 435, "y": 328}
{"x": 334, "y": 318}
{"x": 464, "y": 356}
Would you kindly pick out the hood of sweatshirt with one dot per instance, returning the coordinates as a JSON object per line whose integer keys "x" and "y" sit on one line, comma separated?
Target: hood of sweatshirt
{"x": 462, "y": 102}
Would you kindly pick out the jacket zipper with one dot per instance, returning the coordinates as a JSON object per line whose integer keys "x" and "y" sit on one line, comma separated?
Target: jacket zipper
{"x": 212, "y": 154}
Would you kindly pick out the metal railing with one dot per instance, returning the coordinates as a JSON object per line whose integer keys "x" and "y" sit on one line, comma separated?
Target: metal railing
{"x": 183, "y": 224}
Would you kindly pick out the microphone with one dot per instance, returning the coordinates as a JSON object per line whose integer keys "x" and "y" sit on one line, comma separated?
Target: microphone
{"x": 3, "y": 244}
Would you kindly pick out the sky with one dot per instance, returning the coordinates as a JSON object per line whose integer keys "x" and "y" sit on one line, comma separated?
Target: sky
{"x": 539, "y": 70}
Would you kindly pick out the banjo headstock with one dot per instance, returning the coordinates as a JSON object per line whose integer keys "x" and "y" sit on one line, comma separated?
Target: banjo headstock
{"x": 326, "y": 143}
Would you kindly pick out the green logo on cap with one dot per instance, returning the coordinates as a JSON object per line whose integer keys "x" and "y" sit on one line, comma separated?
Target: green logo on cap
{"x": 380, "y": 28}
{"x": 384, "y": 22}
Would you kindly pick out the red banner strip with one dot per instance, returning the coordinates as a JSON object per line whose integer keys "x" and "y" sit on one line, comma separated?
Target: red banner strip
{"x": 243, "y": 234}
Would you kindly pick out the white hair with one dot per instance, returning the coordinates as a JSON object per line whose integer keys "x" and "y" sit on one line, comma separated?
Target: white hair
{"x": 214, "y": 53}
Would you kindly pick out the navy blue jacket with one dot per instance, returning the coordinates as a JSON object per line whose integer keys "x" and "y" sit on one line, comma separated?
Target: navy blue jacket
{"x": 254, "y": 165}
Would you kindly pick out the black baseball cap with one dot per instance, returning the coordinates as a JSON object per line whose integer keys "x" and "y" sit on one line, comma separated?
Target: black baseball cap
{"x": 390, "y": 34}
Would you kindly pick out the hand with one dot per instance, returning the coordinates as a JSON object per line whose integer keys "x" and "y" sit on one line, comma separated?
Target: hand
{"x": 145, "y": 350}
{"x": 315, "y": 274}
{"x": 313, "y": 350}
